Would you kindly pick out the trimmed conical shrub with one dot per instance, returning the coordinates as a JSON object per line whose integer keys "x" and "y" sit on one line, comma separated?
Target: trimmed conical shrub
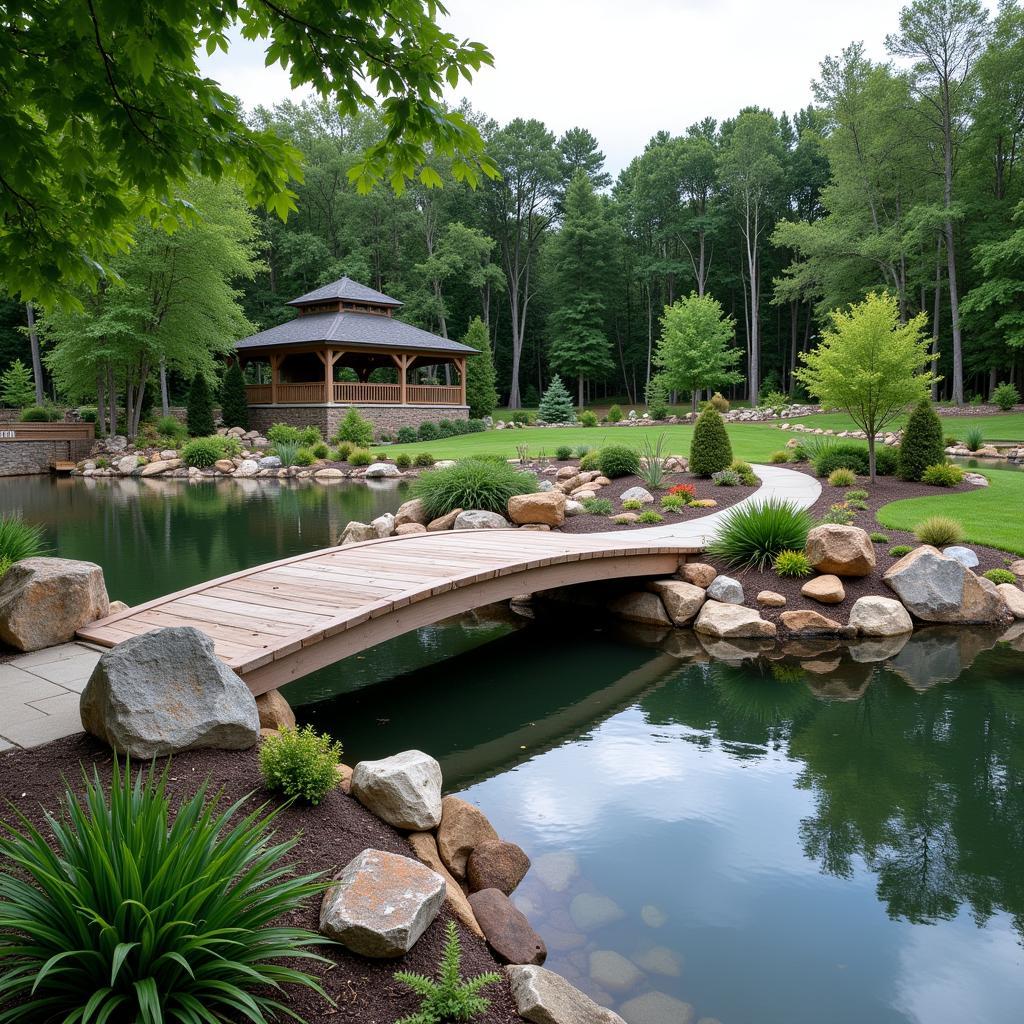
{"x": 921, "y": 446}
{"x": 710, "y": 450}
{"x": 200, "y": 408}
{"x": 555, "y": 404}
{"x": 481, "y": 390}
{"x": 234, "y": 408}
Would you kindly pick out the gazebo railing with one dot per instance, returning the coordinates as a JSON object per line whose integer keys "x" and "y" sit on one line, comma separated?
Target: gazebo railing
{"x": 347, "y": 392}
{"x": 432, "y": 394}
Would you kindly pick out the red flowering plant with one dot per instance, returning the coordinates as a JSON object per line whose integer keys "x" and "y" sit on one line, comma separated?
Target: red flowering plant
{"x": 687, "y": 491}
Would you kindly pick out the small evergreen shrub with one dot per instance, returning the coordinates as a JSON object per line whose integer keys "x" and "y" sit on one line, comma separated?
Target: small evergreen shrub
{"x": 1006, "y": 396}
{"x": 563, "y": 452}
{"x": 922, "y": 442}
{"x": 939, "y": 531}
{"x": 633, "y": 505}
{"x": 857, "y": 494}
{"x": 428, "y": 432}
{"x": 657, "y": 399}
{"x": 343, "y": 451}
{"x": 355, "y": 429}
{"x": 199, "y": 409}
{"x": 449, "y": 998}
{"x": 745, "y": 472}
{"x": 424, "y": 459}
{"x": 777, "y": 458}
{"x": 840, "y": 514}
{"x": 17, "y": 385}
{"x": 588, "y": 418}
{"x": 617, "y": 460}
{"x": 472, "y": 483}
{"x": 597, "y": 506}
{"x": 234, "y": 404}
{"x": 590, "y": 460}
{"x": 899, "y": 550}
{"x": 445, "y": 428}
{"x": 800, "y": 453}
{"x": 406, "y": 435}
{"x": 360, "y": 457}
{"x": 974, "y": 438}
{"x": 833, "y": 456}
{"x": 879, "y": 538}
{"x": 556, "y": 405}
{"x": 35, "y": 414}
{"x": 614, "y": 414}
{"x": 942, "y": 474}
{"x": 321, "y": 451}
{"x": 19, "y": 539}
{"x": 474, "y": 426}
{"x": 673, "y": 502}
{"x": 710, "y": 450}
{"x": 792, "y": 565}
{"x": 842, "y": 477}
{"x": 300, "y": 763}
{"x": 202, "y": 452}
{"x": 650, "y": 516}
{"x": 304, "y": 457}
{"x": 998, "y": 576}
{"x": 752, "y": 536}
{"x": 403, "y": 460}
{"x": 726, "y": 478}
{"x": 719, "y": 402}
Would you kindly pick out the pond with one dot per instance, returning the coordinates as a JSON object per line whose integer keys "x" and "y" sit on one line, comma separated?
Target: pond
{"x": 766, "y": 839}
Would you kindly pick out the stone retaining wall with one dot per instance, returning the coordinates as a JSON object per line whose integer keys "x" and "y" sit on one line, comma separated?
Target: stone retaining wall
{"x": 386, "y": 418}
{"x": 20, "y": 458}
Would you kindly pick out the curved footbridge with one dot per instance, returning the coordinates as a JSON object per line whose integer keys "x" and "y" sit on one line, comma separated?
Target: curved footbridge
{"x": 275, "y": 623}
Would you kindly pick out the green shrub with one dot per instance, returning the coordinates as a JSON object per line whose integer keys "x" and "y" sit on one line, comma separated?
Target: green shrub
{"x": 840, "y": 514}
{"x": 406, "y": 435}
{"x": 887, "y": 460}
{"x": 633, "y": 505}
{"x": 556, "y": 405}
{"x": 833, "y": 456}
{"x": 860, "y": 506}
{"x": 710, "y": 450}
{"x": 522, "y": 417}
{"x": 974, "y": 438}
{"x": 199, "y": 408}
{"x": 354, "y": 429}
{"x": 445, "y": 428}
{"x": 673, "y": 503}
{"x": 35, "y": 414}
{"x": 719, "y": 402}
{"x": 19, "y": 539}
{"x": 300, "y": 763}
{"x": 753, "y": 535}
{"x": 657, "y": 399}
{"x": 792, "y": 565}
{"x": 428, "y": 432}
{"x": 424, "y": 459}
{"x": 124, "y": 911}
{"x": 321, "y": 451}
{"x": 745, "y": 472}
{"x": 998, "y": 576}
{"x": 614, "y": 414}
{"x": 951, "y": 440}
{"x": 287, "y": 452}
{"x": 650, "y": 516}
{"x": 403, "y": 460}
{"x": 800, "y": 453}
{"x": 726, "y": 478}
{"x": 777, "y": 458}
{"x": 171, "y": 427}
{"x": 939, "y": 531}
{"x": 597, "y": 506}
{"x": 360, "y": 457}
{"x": 617, "y": 460}
{"x": 942, "y": 474}
{"x": 921, "y": 445}
{"x": 472, "y": 483}
{"x": 842, "y": 477}
{"x": 563, "y": 452}
{"x": 1006, "y": 396}
{"x": 343, "y": 451}
{"x": 900, "y": 550}
{"x": 588, "y": 418}
{"x": 284, "y": 433}
{"x": 234, "y": 403}
{"x": 449, "y": 997}
{"x": 857, "y": 494}
{"x": 475, "y": 426}
{"x": 88, "y": 413}
{"x": 304, "y": 457}
{"x": 774, "y": 400}
{"x": 590, "y": 460}
{"x": 879, "y": 538}
{"x": 17, "y": 385}
{"x": 202, "y": 452}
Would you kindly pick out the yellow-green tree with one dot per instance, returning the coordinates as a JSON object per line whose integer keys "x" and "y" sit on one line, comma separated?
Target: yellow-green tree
{"x": 870, "y": 365}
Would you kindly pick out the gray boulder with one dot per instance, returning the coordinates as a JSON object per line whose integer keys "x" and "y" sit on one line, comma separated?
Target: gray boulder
{"x": 269, "y": 462}
{"x": 356, "y": 533}
{"x": 726, "y": 590}
{"x": 543, "y": 997}
{"x": 880, "y": 616}
{"x": 382, "y": 470}
{"x": 381, "y": 904}
{"x": 384, "y": 525}
{"x": 43, "y": 601}
{"x": 166, "y": 691}
{"x": 724, "y": 620}
{"x": 637, "y": 494}
{"x": 247, "y": 467}
{"x": 936, "y": 588}
{"x": 965, "y": 556}
{"x": 478, "y": 519}
{"x": 404, "y": 790}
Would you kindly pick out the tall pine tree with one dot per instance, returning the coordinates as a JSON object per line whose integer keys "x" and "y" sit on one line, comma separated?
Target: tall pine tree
{"x": 234, "y": 406}
{"x": 200, "y": 408}
{"x": 481, "y": 392}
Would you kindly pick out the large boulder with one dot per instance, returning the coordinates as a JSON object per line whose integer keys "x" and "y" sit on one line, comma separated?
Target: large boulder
{"x": 247, "y": 467}
{"x": 495, "y": 864}
{"x": 841, "y": 550}
{"x": 936, "y": 588}
{"x": 381, "y": 903}
{"x": 479, "y": 519}
{"x": 640, "y": 606}
{"x": 546, "y": 507}
{"x": 725, "y": 589}
{"x": 463, "y": 827}
{"x": 404, "y": 790}
{"x": 640, "y": 494}
{"x": 543, "y": 997}
{"x": 166, "y": 691}
{"x": 356, "y": 532}
{"x": 43, "y": 601}
{"x": 424, "y": 845}
{"x": 965, "y": 556}
{"x": 506, "y": 928}
{"x": 827, "y": 589}
{"x": 880, "y": 616}
{"x": 381, "y": 471}
{"x": 1013, "y": 598}
{"x": 413, "y": 511}
{"x": 720, "y": 619}
{"x": 700, "y": 574}
{"x": 274, "y": 711}
{"x": 383, "y": 525}
{"x": 807, "y": 621}
{"x": 682, "y": 600}
{"x": 445, "y": 522}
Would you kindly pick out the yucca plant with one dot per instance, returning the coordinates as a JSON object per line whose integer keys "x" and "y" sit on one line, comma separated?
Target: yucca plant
{"x": 974, "y": 438}
{"x": 19, "y": 539}
{"x": 132, "y": 917}
{"x": 652, "y": 463}
{"x": 752, "y": 535}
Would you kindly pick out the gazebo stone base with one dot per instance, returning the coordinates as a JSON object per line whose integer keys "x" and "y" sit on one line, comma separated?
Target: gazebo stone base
{"x": 386, "y": 418}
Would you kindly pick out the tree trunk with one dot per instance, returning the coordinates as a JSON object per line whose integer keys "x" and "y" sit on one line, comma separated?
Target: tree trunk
{"x": 936, "y": 310}
{"x": 954, "y": 298}
{"x": 165, "y": 402}
{"x": 112, "y": 399}
{"x": 581, "y": 402}
{"x": 37, "y": 363}
{"x": 101, "y": 405}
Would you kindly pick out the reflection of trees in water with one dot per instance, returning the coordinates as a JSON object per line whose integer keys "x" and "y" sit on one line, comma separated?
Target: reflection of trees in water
{"x": 923, "y": 787}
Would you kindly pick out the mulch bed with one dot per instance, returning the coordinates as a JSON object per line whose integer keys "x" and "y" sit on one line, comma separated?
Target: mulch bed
{"x": 330, "y": 836}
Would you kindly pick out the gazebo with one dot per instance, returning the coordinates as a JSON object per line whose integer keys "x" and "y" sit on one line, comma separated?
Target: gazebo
{"x": 346, "y": 348}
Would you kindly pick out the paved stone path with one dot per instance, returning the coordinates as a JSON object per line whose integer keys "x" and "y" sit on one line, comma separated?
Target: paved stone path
{"x": 39, "y": 692}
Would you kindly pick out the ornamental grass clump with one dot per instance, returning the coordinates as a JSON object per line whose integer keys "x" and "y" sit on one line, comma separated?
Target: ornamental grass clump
{"x": 121, "y": 914}
{"x": 360, "y": 457}
{"x": 616, "y": 460}
{"x": 300, "y": 763}
{"x": 472, "y": 484}
{"x": 939, "y": 531}
{"x": 752, "y": 536}
{"x": 974, "y": 438}
{"x": 652, "y": 464}
{"x": 842, "y": 477}
{"x": 19, "y": 540}
{"x": 710, "y": 450}
{"x": 792, "y": 565}
{"x": 779, "y": 457}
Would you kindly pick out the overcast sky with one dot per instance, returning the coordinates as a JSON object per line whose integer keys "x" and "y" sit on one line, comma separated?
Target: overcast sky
{"x": 627, "y": 70}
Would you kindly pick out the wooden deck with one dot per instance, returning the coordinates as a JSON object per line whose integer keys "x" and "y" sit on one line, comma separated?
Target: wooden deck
{"x": 278, "y": 622}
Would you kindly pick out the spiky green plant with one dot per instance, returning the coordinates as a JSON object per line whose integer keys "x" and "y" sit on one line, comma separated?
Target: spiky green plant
{"x": 974, "y": 438}
{"x": 472, "y": 483}
{"x": 449, "y": 998}
{"x": 939, "y": 531}
{"x": 652, "y": 464}
{"x": 753, "y": 535}
{"x": 792, "y": 565}
{"x": 19, "y": 539}
{"x": 130, "y": 916}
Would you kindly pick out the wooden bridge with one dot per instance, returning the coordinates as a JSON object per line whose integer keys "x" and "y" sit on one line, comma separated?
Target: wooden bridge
{"x": 275, "y": 623}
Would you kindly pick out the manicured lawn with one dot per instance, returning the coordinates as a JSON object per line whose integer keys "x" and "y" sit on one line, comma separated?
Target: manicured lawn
{"x": 990, "y": 515}
{"x": 1006, "y": 426}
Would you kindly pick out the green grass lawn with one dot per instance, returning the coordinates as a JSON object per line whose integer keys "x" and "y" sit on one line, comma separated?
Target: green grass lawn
{"x": 990, "y": 515}
{"x": 1005, "y": 426}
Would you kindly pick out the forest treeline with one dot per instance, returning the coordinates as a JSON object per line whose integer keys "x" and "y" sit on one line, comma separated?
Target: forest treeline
{"x": 900, "y": 174}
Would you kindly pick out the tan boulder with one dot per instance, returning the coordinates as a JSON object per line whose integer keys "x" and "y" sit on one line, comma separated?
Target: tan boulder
{"x": 1017, "y": 568}
{"x": 826, "y": 589}
{"x": 274, "y": 711}
{"x": 842, "y": 550}
{"x": 640, "y": 606}
{"x": 880, "y": 616}
{"x": 407, "y": 529}
{"x": 700, "y": 574}
{"x": 721, "y": 619}
{"x": 424, "y": 845}
{"x": 566, "y": 473}
{"x": 495, "y": 864}
{"x": 462, "y": 827}
{"x": 1013, "y": 597}
{"x": 807, "y": 621}
{"x": 117, "y": 606}
{"x": 445, "y": 522}
{"x": 543, "y": 507}
{"x": 682, "y": 600}
{"x": 770, "y": 599}
{"x": 413, "y": 512}
{"x": 224, "y": 466}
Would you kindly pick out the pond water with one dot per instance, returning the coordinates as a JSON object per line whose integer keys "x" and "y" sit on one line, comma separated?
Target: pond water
{"x": 823, "y": 836}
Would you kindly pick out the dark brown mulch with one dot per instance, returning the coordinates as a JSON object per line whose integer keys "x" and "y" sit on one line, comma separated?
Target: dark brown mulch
{"x": 330, "y": 836}
{"x": 881, "y": 492}
{"x": 725, "y": 496}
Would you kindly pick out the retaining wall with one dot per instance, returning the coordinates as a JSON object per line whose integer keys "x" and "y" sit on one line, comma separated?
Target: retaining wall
{"x": 386, "y": 418}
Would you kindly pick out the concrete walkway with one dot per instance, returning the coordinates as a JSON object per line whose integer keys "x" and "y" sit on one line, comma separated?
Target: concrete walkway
{"x": 39, "y": 692}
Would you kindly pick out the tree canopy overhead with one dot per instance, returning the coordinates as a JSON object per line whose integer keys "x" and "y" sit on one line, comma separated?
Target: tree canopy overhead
{"x": 106, "y": 113}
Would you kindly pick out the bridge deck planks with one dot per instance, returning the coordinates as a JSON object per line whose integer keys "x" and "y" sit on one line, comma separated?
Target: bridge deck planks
{"x": 276, "y": 622}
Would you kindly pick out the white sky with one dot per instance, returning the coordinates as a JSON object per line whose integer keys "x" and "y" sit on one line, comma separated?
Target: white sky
{"x": 627, "y": 70}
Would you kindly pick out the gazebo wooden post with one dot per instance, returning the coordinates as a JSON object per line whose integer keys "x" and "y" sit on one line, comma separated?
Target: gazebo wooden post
{"x": 275, "y": 363}
{"x": 402, "y": 363}
{"x": 461, "y": 363}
